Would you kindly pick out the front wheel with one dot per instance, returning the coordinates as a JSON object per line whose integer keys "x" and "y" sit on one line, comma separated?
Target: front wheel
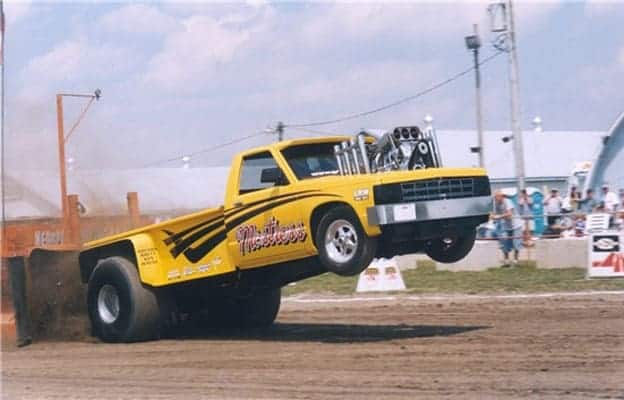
{"x": 451, "y": 248}
{"x": 343, "y": 246}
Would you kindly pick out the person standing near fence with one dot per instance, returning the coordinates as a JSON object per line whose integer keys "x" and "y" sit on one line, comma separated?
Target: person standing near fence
{"x": 552, "y": 206}
{"x": 589, "y": 203}
{"x": 610, "y": 199}
{"x": 508, "y": 227}
{"x": 571, "y": 202}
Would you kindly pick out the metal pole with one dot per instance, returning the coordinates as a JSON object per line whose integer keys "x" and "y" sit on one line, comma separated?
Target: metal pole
{"x": 515, "y": 102}
{"x": 478, "y": 102}
{"x": 2, "y": 142}
{"x": 61, "y": 149}
{"x": 280, "y": 131}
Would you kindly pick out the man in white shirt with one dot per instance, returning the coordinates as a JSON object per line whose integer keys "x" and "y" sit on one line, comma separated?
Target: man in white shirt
{"x": 610, "y": 199}
{"x": 552, "y": 206}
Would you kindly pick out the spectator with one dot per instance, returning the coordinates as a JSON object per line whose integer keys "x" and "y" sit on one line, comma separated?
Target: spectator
{"x": 525, "y": 209}
{"x": 552, "y": 207}
{"x": 570, "y": 203}
{"x": 525, "y": 204}
{"x": 609, "y": 198}
{"x": 589, "y": 203}
{"x": 508, "y": 227}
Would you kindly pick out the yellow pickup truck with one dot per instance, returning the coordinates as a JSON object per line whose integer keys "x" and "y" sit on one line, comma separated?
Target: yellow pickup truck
{"x": 292, "y": 210}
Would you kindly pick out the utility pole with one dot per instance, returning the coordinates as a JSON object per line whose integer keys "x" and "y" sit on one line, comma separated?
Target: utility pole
{"x": 515, "y": 102}
{"x": 280, "y": 131}
{"x": 61, "y": 151}
{"x": 62, "y": 139}
{"x": 473, "y": 42}
{"x": 502, "y": 12}
{"x": 2, "y": 142}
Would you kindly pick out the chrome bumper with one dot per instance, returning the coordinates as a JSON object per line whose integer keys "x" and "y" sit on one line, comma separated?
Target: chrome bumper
{"x": 429, "y": 210}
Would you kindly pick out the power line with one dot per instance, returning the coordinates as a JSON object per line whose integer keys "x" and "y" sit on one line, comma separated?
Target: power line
{"x": 305, "y": 126}
{"x": 321, "y": 133}
{"x": 206, "y": 150}
{"x": 80, "y": 117}
{"x": 395, "y": 103}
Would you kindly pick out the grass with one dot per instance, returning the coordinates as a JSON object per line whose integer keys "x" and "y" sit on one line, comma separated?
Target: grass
{"x": 426, "y": 279}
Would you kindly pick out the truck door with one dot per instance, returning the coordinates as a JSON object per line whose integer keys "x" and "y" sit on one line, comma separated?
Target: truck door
{"x": 265, "y": 224}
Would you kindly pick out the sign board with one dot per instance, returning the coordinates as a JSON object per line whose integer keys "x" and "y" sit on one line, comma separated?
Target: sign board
{"x": 383, "y": 275}
{"x": 44, "y": 238}
{"x": 606, "y": 255}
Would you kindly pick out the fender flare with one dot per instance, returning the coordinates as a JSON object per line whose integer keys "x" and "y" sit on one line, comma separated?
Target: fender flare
{"x": 133, "y": 248}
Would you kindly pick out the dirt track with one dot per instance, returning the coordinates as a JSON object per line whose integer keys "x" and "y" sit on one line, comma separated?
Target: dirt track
{"x": 404, "y": 349}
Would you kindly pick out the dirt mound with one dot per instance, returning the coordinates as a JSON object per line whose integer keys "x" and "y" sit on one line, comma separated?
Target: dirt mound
{"x": 56, "y": 297}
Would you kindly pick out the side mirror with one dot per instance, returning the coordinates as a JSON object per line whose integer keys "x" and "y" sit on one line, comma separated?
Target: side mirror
{"x": 273, "y": 175}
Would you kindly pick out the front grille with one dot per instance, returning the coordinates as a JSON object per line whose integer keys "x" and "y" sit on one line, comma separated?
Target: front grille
{"x": 437, "y": 189}
{"x": 432, "y": 189}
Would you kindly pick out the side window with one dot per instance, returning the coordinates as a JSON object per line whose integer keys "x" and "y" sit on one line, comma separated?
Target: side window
{"x": 251, "y": 172}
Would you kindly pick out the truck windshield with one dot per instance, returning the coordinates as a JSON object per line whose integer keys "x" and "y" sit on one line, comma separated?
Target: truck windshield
{"x": 312, "y": 160}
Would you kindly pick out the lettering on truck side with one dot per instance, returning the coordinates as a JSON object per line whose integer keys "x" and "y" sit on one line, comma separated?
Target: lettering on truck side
{"x": 251, "y": 239}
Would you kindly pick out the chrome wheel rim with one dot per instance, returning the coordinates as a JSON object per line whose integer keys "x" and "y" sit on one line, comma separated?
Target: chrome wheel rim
{"x": 341, "y": 241}
{"x": 108, "y": 304}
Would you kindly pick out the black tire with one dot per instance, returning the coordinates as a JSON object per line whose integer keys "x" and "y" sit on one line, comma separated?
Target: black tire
{"x": 255, "y": 310}
{"x": 260, "y": 309}
{"x": 137, "y": 317}
{"x": 452, "y": 248}
{"x": 338, "y": 227}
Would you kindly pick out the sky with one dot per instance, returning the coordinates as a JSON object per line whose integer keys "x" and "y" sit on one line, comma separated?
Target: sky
{"x": 177, "y": 78}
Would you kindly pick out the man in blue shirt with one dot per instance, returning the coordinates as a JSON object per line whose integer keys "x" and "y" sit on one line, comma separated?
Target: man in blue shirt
{"x": 508, "y": 227}
{"x": 589, "y": 203}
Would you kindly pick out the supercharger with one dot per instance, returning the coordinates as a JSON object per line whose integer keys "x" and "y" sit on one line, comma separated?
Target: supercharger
{"x": 402, "y": 148}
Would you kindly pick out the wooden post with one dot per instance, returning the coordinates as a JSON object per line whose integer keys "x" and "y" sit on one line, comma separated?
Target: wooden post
{"x": 62, "y": 171}
{"x": 133, "y": 209}
{"x": 74, "y": 219}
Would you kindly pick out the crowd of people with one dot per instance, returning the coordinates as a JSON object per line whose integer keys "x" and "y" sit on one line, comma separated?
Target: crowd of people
{"x": 565, "y": 216}
{"x": 568, "y": 213}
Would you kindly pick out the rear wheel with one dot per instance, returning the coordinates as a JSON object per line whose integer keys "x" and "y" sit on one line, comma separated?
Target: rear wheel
{"x": 260, "y": 309}
{"x": 343, "y": 246}
{"x": 120, "y": 308}
{"x": 256, "y": 310}
{"x": 451, "y": 248}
